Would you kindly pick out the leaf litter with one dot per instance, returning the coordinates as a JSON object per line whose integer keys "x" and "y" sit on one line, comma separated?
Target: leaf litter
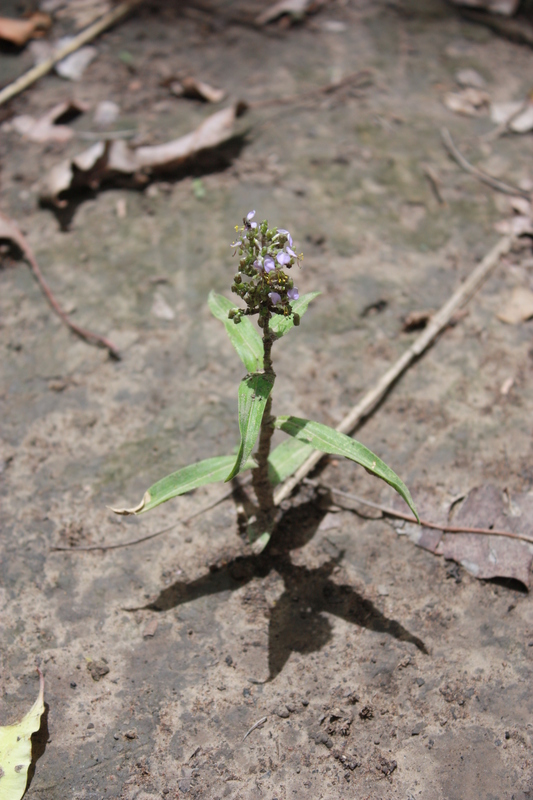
{"x": 20, "y": 31}
{"x": 107, "y": 160}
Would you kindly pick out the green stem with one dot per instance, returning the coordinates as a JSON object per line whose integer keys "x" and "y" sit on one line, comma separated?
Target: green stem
{"x": 264, "y": 490}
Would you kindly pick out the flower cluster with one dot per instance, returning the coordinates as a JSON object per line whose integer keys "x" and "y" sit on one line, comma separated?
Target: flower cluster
{"x": 262, "y": 282}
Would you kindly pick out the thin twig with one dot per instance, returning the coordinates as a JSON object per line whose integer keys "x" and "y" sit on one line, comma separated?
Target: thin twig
{"x": 494, "y": 183}
{"x": 9, "y": 230}
{"x": 82, "y": 38}
{"x": 437, "y": 324}
{"x": 329, "y": 88}
{"x": 257, "y": 725}
{"x": 183, "y": 521}
{"x": 390, "y": 512}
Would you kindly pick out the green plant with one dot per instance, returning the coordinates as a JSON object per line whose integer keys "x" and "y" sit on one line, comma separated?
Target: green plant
{"x": 268, "y": 292}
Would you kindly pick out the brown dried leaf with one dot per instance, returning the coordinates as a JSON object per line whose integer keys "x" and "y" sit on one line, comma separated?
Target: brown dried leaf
{"x": 104, "y": 160}
{"x": 294, "y": 8}
{"x": 44, "y": 129}
{"x": 505, "y": 7}
{"x": 20, "y": 31}
{"x": 492, "y": 556}
{"x": 518, "y": 308}
{"x": 197, "y": 90}
{"x": 469, "y": 101}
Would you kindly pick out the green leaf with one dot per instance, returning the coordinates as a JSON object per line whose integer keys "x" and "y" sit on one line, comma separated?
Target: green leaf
{"x": 184, "y": 480}
{"x": 244, "y": 337}
{"x": 286, "y": 458}
{"x": 328, "y": 440}
{"x": 254, "y": 391}
{"x": 280, "y": 325}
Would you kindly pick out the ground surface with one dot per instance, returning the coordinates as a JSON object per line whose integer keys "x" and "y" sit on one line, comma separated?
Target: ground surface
{"x": 383, "y": 671}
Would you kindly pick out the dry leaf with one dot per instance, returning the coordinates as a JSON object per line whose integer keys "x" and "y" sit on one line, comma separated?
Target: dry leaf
{"x": 501, "y": 113}
{"x": 161, "y": 309}
{"x": 518, "y": 226}
{"x": 294, "y": 8}
{"x": 469, "y": 101}
{"x": 198, "y": 90}
{"x": 416, "y": 320}
{"x": 20, "y": 31}
{"x": 73, "y": 66}
{"x": 44, "y": 129}
{"x": 519, "y": 308}
{"x": 105, "y": 160}
{"x": 469, "y": 77}
{"x": 505, "y": 7}
{"x": 492, "y": 556}
{"x": 15, "y": 749}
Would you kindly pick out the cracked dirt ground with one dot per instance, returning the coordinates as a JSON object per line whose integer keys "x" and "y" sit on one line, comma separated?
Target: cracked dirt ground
{"x": 383, "y": 671}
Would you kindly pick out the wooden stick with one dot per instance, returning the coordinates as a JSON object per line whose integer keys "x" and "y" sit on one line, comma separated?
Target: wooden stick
{"x": 437, "y": 324}
{"x": 390, "y": 512}
{"x": 494, "y": 183}
{"x": 82, "y": 38}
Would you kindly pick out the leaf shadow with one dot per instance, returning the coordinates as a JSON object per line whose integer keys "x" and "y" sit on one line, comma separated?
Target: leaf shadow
{"x": 297, "y": 622}
{"x": 39, "y": 741}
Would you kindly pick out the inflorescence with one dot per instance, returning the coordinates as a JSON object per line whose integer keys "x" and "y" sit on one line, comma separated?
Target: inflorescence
{"x": 261, "y": 281}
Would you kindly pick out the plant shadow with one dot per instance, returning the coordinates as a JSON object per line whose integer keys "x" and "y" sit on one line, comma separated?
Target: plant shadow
{"x": 297, "y": 622}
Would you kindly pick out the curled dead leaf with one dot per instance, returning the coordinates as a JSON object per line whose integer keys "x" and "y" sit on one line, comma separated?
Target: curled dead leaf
{"x": 126, "y": 512}
{"x": 469, "y": 101}
{"x": 46, "y": 128}
{"x": 107, "y": 159}
{"x": 293, "y": 8}
{"x": 20, "y": 31}
{"x": 197, "y": 90}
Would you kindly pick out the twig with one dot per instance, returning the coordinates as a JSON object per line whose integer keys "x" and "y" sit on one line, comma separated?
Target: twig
{"x": 9, "y": 230}
{"x": 257, "y": 725}
{"x": 355, "y": 77}
{"x": 494, "y": 183}
{"x": 183, "y": 521}
{"x": 437, "y": 324}
{"x": 82, "y": 38}
{"x": 390, "y": 512}
{"x": 434, "y": 182}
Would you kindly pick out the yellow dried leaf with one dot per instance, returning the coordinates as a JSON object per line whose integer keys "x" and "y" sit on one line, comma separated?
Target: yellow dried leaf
{"x": 15, "y": 749}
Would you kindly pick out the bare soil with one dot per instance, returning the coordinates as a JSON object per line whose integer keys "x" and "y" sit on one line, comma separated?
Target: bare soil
{"x": 382, "y": 670}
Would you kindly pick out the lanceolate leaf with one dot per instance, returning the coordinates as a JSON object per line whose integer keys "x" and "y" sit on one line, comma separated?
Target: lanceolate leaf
{"x": 286, "y": 458}
{"x": 244, "y": 337}
{"x": 321, "y": 437}
{"x": 184, "y": 480}
{"x": 280, "y": 325}
{"x": 253, "y": 395}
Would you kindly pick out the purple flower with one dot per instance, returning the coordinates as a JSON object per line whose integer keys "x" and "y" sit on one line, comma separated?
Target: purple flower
{"x": 258, "y": 265}
{"x": 274, "y": 297}
{"x": 291, "y": 252}
{"x": 250, "y": 215}
{"x": 287, "y": 234}
{"x": 238, "y": 243}
{"x": 269, "y": 264}
{"x": 283, "y": 258}
{"x": 293, "y": 294}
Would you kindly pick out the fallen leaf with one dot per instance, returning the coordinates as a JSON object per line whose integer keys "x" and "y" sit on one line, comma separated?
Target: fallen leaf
{"x": 469, "y": 77}
{"x": 469, "y": 101}
{"x": 73, "y": 66}
{"x": 45, "y": 128}
{"x": 505, "y": 7}
{"x": 518, "y": 225}
{"x": 107, "y": 159}
{"x": 161, "y": 308}
{"x": 492, "y": 556}
{"x": 20, "y": 31}
{"x": 518, "y": 308}
{"x": 416, "y": 320}
{"x": 501, "y": 113}
{"x": 294, "y": 8}
{"x": 506, "y": 386}
{"x": 15, "y": 749}
{"x": 198, "y": 90}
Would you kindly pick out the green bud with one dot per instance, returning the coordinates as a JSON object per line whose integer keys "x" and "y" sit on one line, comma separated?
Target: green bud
{"x": 231, "y": 313}
{"x": 238, "y": 278}
{"x": 296, "y": 319}
{"x": 236, "y": 319}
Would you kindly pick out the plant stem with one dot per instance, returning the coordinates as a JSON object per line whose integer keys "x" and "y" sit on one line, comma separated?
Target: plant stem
{"x": 261, "y": 483}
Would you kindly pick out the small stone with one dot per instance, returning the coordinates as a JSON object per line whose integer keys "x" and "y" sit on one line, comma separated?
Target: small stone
{"x": 282, "y": 711}
{"x": 73, "y": 684}
{"x": 420, "y": 681}
{"x": 418, "y": 728}
{"x": 131, "y": 734}
{"x": 97, "y": 669}
{"x": 323, "y": 738}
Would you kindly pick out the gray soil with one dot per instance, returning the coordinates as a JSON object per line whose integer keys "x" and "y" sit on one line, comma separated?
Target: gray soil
{"x": 383, "y": 671}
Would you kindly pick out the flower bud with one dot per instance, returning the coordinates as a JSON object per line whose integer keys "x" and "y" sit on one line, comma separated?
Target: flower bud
{"x": 296, "y": 319}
